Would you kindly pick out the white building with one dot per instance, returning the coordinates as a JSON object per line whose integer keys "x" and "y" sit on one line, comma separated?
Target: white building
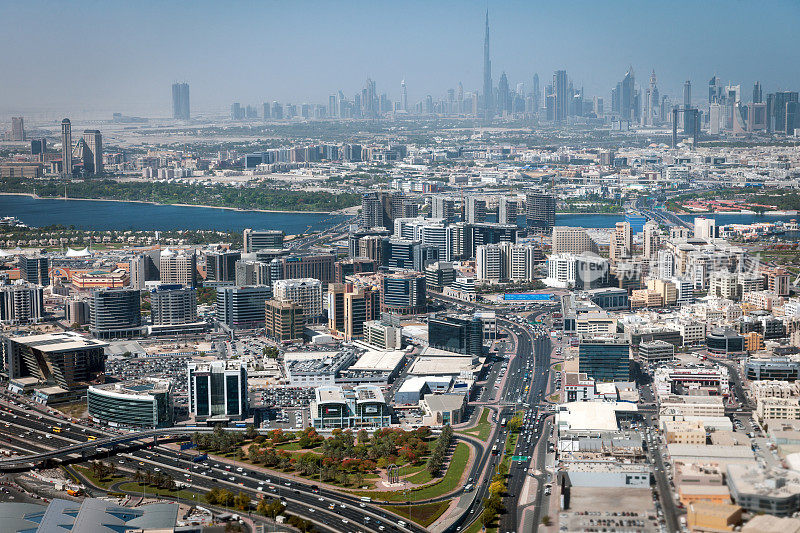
{"x": 305, "y": 292}
{"x": 489, "y": 263}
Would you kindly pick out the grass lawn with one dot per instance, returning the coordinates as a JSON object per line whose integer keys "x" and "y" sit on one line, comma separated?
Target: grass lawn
{"x": 557, "y": 368}
{"x": 424, "y": 514}
{"x": 102, "y": 483}
{"x": 448, "y": 483}
{"x": 136, "y": 488}
{"x": 477, "y": 527}
{"x": 423, "y": 476}
{"x": 482, "y": 429}
{"x": 73, "y": 410}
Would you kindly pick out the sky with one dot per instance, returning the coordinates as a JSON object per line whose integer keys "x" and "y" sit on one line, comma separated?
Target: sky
{"x": 95, "y": 57}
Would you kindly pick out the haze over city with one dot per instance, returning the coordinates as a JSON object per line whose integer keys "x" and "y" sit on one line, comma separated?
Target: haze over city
{"x": 94, "y": 58}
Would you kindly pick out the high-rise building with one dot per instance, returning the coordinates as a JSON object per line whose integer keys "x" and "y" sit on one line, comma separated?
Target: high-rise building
{"x": 540, "y": 211}
{"x": 173, "y": 305}
{"x": 284, "y": 321}
{"x": 489, "y": 263}
{"x": 705, "y": 228}
{"x": 560, "y": 96}
{"x": 567, "y": 240}
{"x": 652, "y": 239}
{"x": 255, "y": 240}
{"x": 34, "y": 269}
{"x": 604, "y": 358}
{"x": 506, "y": 210}
{"x": 317, "y": 266}
{"x": 115, "y": 313}
{"x": 443, "y": 208}
{"x": 242, "y": 307}
{"x": 459, "y": 334}
{"x": 17, "y": 129}
{"x": 537, "y": 94}
{"x": 688, "y": 118}
{"x": 177, "y": 268}
{"x": 621, "y": 243}
{"x": 403, "y": 293}
{"x": 475, "y": 210}
{"x": 217, "y": 390}
{"x": 21, "y": 303}
{"x": 66, "y": 148}
{"x": 307, "y": 293}
{"x": 758, "y": 93}
{"x": 488, "y": 109}
{"x": 221, "y": 266}
{"x": 93, "y": 140}
{"x": 627, "y": 96}
{"x": 403, "y": 96}
{"x": 180, "y": 101}
{"x": 66, "y": 359}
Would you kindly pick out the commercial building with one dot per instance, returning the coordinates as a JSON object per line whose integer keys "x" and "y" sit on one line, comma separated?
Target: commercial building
{"x": 604, "y": 358}
{"x": 173, "y": 310}
{"x": 115, "y": 313}
{"x": 459, "y": 334}
{"x": 284, "y": 321}
{"x": 774, "y": 368}
{"x": 708, "y": 516}
{"x": 21, "y": 303}
{"x": 540, "y": 211}
{"x": 314, "y": 369}
{"x": 217, "y": 390}
{"x": 306, "y": 292}
{"x": 68, "y": 360}
{"x": 348, "y": 267}
{"x": 774, "y": 491}
{"x": 403, "y": 293}
{"x": 383, "y": 336}
{"x": 316, "y": 266}
{"x": 145, "y": 403}
{"x": 362, "y": 407}
{"x": 221, "y": 266}
{"x": 699, "y": 380}
{"x": 255, "y": 240}
{"x": 567, "y": 240}
{"x": 724, "y": 341}
{"x": 655, "y": 351}
{"x": 180, "y": 101}
{"x": 606, "y": 474}
{"x": 684, "y": 432}
{"x": 180, "y": 268}
{"x": 34, "y": 270}
{"x": 443, "y": 409}
{"x": 777, "y": 409}
{"x": 242, "y": 307}
{"x": 687, "y": 406}
{"x": 439, "y": 275}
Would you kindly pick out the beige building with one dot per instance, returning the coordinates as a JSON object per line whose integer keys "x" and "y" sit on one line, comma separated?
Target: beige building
{"x": 778, "y": 408}
{"x": 646, "y": 298}
{"x": 684, "y": 432}
{"x": 567, "y": 240}
{"x": 666, "y": 289}
{"x": 706, "y": 516}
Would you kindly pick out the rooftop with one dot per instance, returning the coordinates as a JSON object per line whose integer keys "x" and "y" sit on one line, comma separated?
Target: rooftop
{"x": 59, "y": 342}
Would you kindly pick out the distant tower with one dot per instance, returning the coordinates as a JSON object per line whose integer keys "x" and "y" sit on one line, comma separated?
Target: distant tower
{"x": 560, "y": 94}
{"x": 66, "y": 147}
{"x": 94, "y": 141}
{"x": 17, "y": 129}
{"x": 688, "y": 120}
{"x": 487, "y": 75}
{"x": 537, "y": 102}
{"x": 180, "y": 101}
{"x": 758, "y": 95}
{"x": 404, "y": 96}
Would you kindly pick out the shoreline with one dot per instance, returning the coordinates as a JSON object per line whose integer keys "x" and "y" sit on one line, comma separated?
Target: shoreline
{"x": 37, "y": 197}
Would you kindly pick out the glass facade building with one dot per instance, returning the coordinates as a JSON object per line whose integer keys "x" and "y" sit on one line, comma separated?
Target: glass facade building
{"x": 604, "y": 358}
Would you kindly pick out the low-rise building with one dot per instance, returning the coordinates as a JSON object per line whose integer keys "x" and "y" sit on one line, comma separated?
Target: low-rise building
{"x": 774, "y": 491}
{"x": 683, "y": 432}
{"x": 145, "y": 403}
{"x": 711, "y": 517}
{"x": 443, "y": 409}
{"x": 361, "y": 407}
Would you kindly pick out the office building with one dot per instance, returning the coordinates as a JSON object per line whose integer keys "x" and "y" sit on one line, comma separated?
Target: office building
{"x": 317, "y": 266}
{"x": 383, "y": 336}
{"x": 180, "y": 101}
{"x": 221, "y": 266}
{"x": 724, "y": 341}
{"x": 621, "y": 243}
{"x": 217, "y": 390}
{"x": 764, "y": 489}
{"x": 34, "y": 270}
{"x": 284, "y": 321}
{"x": 17, "y": 129}
{"x": 475, "y": 235}
{"x": 115, "y": 313}
{"x": 775, "y": 368}
{"x": 439, "y": 275}
{"x": 540, "y": 211}
{"x": 305, "y": 292}
{"x": 21, "y": 303}
{"x": 560, "y": 96}
{"x": 459, "y": 334}
{"x": 379, "y": 209}
{"x": 488, "y": 108}
{"x": 706, "y": 229}
{"x": 604, "y": 358}
{"x": 93, "y": 140}
{"x": 348, "y": 267}
{"x": 176, "y": 268}
{"x": 350, "y": 308}
{"x": 655, "y": 351}
{"x": 140, "y": 403}
{"x": 475, "y": 210}
{"x": 252, "y": 273}
{"x": 403, "y": 293}
{"x": 489, "y": 263}
{"x": 567, "y": 240}
{"x": 443, "y": 208}
{"x": 652, "y": 239}
{"x": 255, "y": 240}
{"x": 67, "y": 360}
{"x": 173, "y": 305}
{"x": 66, "y": 148}
{"x": 362, "y": 407}
{"x": 242, "y": 307}
{"x": 507, "y": 210}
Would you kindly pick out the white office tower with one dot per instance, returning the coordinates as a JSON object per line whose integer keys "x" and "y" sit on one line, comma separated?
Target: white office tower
{"x": 705, "y": 228}
{"x": 685, "y": 290}
{"x": 520, "y": 261}
{"x": 475, "y": 210}
{"x": 21, "y": 303}
{"x": 666, "y": 264}
{"x": 489, "y": 259}
{"x": 305, "y": 292}
{"x": 444, "y": 208}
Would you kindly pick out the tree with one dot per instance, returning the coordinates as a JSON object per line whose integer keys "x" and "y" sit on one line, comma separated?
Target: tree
{"x": 497, "y": 487}
{"x": 242, "y": 501}
{"x": 514, "y": 424}
{"x": 546, "y": 520}
{"x": 487, "y": 516}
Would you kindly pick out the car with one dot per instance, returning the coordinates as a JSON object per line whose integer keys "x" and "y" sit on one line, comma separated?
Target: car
{"x": 345, "y": 521}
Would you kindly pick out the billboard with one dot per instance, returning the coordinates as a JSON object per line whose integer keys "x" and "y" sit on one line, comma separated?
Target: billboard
{"x": 528, "y": 297}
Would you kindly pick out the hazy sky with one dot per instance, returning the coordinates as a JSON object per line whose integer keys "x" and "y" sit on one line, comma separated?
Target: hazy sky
{"x": 95, "y": 57}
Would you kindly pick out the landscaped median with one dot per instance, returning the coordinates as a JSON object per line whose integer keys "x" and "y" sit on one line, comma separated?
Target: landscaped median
{"x": 482, "y": 429}
{"x": 424, "y": 514}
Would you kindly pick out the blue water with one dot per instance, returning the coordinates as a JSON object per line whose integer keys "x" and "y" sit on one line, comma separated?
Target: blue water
{"x": 87, "y": 214}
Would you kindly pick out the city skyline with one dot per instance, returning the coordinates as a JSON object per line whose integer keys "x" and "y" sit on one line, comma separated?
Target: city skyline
{"x": 432, "y": 54}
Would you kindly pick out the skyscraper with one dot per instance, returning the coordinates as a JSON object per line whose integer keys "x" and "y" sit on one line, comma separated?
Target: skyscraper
{"x": 487, "y": 75}
{"x": 758, "y": 94}
{"x": 180, "y": 101}
{"x": 17, "y": 129}
{"x": 537, "y": 94}
{"x": 688, "y": 118}
{"x": 560, "y": 95}
{"x": 94, "y": 142}
{"x": 403, "y": 96}
{"x": 627, "y": 95}
{"x": 540, "y": 211}
{"x": 66, "y": 147}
